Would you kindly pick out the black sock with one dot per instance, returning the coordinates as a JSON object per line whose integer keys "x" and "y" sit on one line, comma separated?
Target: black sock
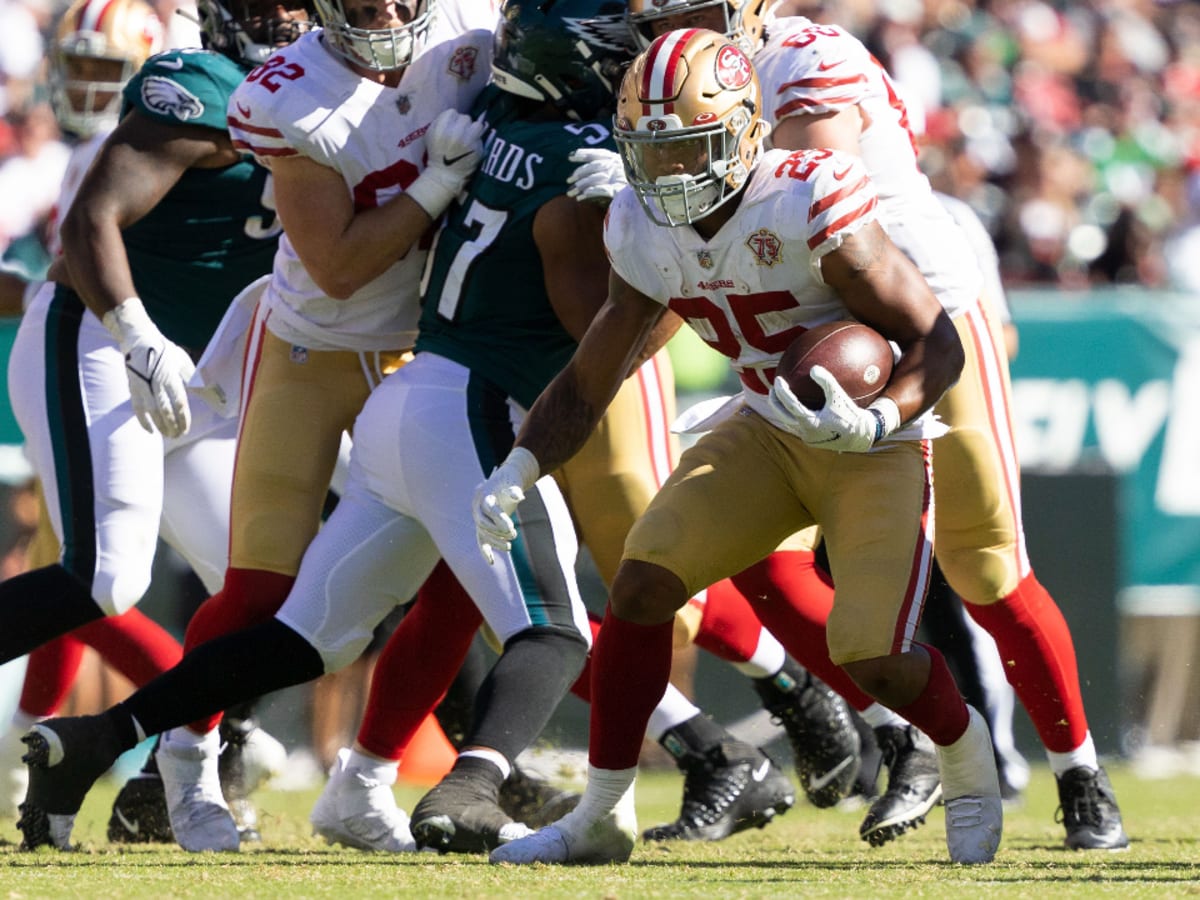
{"x": 38, "y": 606}
{"x": 693, "y": 739}
{"x": 534, "y": 673}
{"x": 221, "y": 673}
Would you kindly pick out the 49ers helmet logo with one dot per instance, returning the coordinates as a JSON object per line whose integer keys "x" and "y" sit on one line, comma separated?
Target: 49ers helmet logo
{"x": 733, "y": 68}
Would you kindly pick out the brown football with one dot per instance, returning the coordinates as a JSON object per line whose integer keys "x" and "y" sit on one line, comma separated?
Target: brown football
{"x": 856, "y": 354}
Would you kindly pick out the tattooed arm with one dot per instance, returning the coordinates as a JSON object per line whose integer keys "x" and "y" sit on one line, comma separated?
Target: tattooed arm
{"x": 567, "y": 411}
{"x": 881, "y": 287}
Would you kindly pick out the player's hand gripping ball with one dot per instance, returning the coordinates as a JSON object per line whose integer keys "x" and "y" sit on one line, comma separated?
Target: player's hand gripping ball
{"x": 858, "y": 356}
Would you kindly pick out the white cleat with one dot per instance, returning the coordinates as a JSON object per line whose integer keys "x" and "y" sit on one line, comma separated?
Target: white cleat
{"x": 571, "y": 840}
{"x": 200, "y": 817}
{"x": 359, "y": 811}
{"x": 971, "y": 788}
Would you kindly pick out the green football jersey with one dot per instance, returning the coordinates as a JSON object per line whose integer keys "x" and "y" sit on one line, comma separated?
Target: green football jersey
{"x": 215, "y": 231}
{"x": 484, "y": 301}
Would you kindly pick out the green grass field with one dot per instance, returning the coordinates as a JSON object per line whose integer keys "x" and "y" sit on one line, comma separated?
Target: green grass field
{"x": 807, "y": 853}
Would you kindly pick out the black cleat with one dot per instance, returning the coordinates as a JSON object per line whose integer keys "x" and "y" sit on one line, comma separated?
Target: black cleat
{"x": 535, "y": 801}
{"x": 462, "y": 813}
{"x": 65, "y": 758}
{"x": 914, "y": 785}
{"x": 139, "y": 814}
{"x": 1089, "y": 810}
{"x": 819, "y": 727}
{"x": 729, "y": 789}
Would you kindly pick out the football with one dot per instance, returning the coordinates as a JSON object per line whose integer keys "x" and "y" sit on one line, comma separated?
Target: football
{"x": 856, "y": 354}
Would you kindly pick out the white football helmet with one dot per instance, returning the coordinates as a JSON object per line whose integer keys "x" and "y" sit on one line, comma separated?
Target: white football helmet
{"x": 745, "y": 20}
{"x": 377, "y": 49}
{"x": 98, "y": 46}
{"x": 689, "y": 124}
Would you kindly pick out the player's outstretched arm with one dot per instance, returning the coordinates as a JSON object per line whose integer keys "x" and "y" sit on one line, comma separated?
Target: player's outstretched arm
{"x": 567, "y": 411}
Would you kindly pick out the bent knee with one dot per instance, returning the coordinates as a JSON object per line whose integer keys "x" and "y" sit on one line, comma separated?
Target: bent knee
{"x": 116, "y": 594}
{"x": 646, "y": 594}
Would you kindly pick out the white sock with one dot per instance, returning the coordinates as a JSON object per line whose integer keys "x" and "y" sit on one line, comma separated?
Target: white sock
{"x": 183, "y": 736}
{"x": 374, "y": 768}
{"x": 495, "y": 758}
{"x": 606, "y": 789}
{"x": 1083, "y": 755}
{"x": 877, "y": 716}
{"x": 673, "y": 709}
{"x": 768, "y": 657}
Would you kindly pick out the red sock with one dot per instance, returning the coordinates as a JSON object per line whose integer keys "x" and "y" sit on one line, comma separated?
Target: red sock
{"x": 418, "y": 663}
{"x": 792, "y": 598}
{"x": 249, "y": 597}
{"x": 631, "y": 665}
{"x": 939, "y": 710}
{"x": 728, "y": 629}
{"x": 582, "y": 688}
{"x": 49, "y": 674}
{"x": 1039, "y": 659}
{"x": 133, "y": 644}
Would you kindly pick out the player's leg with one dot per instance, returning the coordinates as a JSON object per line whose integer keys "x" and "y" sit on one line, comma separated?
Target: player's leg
{"x": 364, "y": 558}
{"x": 451, "y": 430}
{"x": 981, "y": 548}
{"x": 793, "y": 597}
{"x": 731, "y": 492}
{"x": 877, "y": 516}
{"x": 608, "y": 484}
{"x": 101, "y": 474}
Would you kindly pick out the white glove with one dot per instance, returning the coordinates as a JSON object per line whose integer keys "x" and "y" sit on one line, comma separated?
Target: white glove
{"x": 158, "y": 369}
{"x": 841, "y": 424}
{"x": 497, "y": 498}
{"x": 601, "y": 177}
{"x": 454, "y": 146}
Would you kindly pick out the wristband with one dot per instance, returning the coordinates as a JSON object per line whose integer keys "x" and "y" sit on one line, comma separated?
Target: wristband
{"x": 524, "y": 465}
{"x": 887, "y": 417}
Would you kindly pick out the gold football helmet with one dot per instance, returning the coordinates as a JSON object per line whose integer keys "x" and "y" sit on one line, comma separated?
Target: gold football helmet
{"x": 744, "y": 20}
{"x": 98, "y": 46}
{"x": 689, "y": 124}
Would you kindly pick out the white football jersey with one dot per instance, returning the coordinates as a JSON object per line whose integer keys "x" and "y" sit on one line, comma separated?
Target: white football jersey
{"x": 82, "y": 155}
{"x": 305, "y": 101}
{"x": 752, "y": 289}
{"x": 810, "y": 69}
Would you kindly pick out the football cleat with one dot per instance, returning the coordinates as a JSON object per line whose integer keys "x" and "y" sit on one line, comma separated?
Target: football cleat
{"x": 730, "y": 789}
{"x": 526, "y": 798}
{"x": 971, "y": 788}
{"x": 577, "y": 839}
{"x": 139, "y": 814}
{"x": 914, "y": 785}
{"x": 200, "y": 818}
{"x": 1088, "y": 810}
{"x": 358, "y": 811}
{"x": 819, "y": 727}
{"x": 65, "y": 758}
{"x": 462, "y": 813}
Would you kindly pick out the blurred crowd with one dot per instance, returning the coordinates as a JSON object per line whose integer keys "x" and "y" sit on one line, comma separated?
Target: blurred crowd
{"x": 1072, "y": 128}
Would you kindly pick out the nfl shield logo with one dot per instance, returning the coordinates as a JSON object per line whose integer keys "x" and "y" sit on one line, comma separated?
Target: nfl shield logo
{"x": 704, "y": 257}
{"x": 404, "y": 104}
{"x": 299, "y": 355}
